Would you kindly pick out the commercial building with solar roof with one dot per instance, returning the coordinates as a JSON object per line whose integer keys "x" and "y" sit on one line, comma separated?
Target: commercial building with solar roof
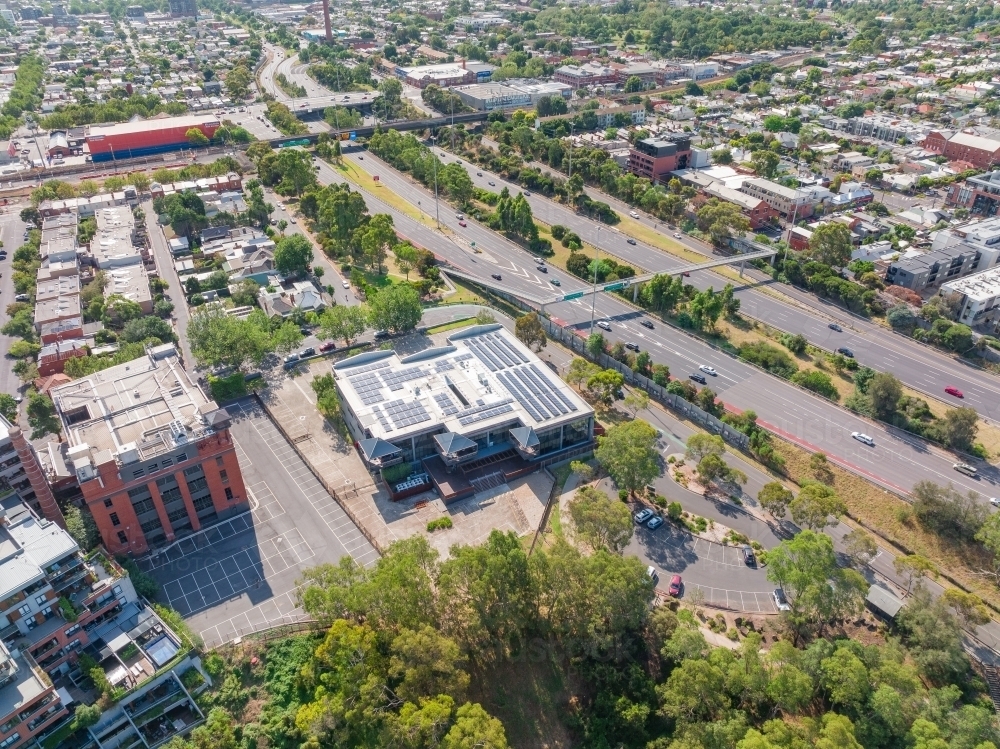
{"x": 482, "y": 404}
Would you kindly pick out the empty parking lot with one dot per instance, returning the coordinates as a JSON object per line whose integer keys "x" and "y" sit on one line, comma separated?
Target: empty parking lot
{"x": 239, "y": 576}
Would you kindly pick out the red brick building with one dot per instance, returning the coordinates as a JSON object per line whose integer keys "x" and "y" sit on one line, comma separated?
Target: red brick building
{"x": 154, "y": 458}
{"x": 656, "y": 158}
{"x": 981, "y": 152}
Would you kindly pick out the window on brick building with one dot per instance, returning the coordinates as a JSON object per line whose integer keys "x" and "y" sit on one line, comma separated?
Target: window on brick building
{"x": 224, "y": 476}
{"x": 122, "y": 538}
{"x": 177, "y": 514}
{"x": 229, "y": 493}
{"x": 219, "y": 461}
{"x": 24, "y": 610}
{"x": 114, "y": 519}
{"x": 107, "y": 502}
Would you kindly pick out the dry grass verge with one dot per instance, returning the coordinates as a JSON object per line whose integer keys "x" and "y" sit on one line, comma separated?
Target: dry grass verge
{"x": 892, "y": 518}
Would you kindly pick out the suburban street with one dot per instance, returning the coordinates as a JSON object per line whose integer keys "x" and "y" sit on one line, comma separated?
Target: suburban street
{"x": 921, "y": 367}
{"x": 11, "y": 233}
{"x": 897, "y": 461}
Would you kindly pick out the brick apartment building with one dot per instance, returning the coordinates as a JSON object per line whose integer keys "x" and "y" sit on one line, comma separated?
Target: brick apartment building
{"x": 981, "y": 195}
{"x": 656, "y": 158}
{"x": 981, "y": 152}
{"x": 154, "y": 458}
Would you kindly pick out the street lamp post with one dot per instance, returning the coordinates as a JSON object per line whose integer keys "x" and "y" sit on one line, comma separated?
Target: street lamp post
{"x": 437, "y": 210}
{"x": 597, "y": 262}
{"x": 571, "y": 130}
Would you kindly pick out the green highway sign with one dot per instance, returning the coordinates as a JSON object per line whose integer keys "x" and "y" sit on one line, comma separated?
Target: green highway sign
{"x": 615, "y": 286}
{"x": 574, "y": 295}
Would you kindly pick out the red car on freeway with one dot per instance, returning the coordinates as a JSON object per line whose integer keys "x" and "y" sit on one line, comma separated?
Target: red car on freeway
{"x": 952, "y": 390}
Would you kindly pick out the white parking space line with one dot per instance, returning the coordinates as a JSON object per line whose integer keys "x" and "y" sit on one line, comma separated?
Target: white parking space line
{"x": 278, "y": 610}
{"x": 314, "y": 492}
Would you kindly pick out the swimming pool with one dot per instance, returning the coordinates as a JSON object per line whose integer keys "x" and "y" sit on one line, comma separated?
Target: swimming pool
{"x": 162, "y": 650}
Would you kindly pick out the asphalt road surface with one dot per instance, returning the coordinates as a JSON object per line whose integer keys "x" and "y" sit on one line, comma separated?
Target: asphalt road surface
{"x": 922, "y": 368}
{"x": 897, "y": 461}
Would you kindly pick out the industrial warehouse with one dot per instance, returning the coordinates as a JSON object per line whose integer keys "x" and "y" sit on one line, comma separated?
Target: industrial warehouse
{"x": 481, "y": 405}
{"x": 146, "y": 137}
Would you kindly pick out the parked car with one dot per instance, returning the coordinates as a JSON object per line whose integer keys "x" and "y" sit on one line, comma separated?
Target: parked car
{"x": 646, "y": 324}
{"x": 968, "y": 470}
{"x": 347, "y": 284}
{"x": 327, "y": 347}
{"x": 651, "y": 571}
{"x": 526, "y": 194}
{"x": 834, "y": 326}
{"x": 632, "y": 346}
{"x": 654, "y": 522}
{"x": 643, "y": 515}
{"x": 291, "y": 359}
{"x": 22, "y": 298}
{"x": 995, "y": 501}
{"x": 308, "y": 351}
{"x": 603, "y": 324}
{"x": 379, "y": 334}
{"x": 708, "y": 370}
{"x": 479, "y": 174}
{"x": 748, "y": 557}
{"x": 952, "y": 390}
{"x": 846, "y": 352}
{"x": 676, "y": 583}
{"x": 780, "y": 601}
{"x": 860, "y": 437}
{"x": 697, "y": 378}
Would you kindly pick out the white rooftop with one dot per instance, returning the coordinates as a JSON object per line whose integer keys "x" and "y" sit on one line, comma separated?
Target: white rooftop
{"x": 979, "y": 287}
{"x": 484, "y": 378}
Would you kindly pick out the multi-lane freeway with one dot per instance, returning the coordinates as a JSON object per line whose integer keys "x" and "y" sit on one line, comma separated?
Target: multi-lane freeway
{"x": 918, "y": 366}
{"x": 896, "y": 461}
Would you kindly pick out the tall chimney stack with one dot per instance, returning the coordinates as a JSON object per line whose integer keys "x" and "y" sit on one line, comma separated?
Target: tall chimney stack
{"x": 326, "y": 21}
{"x": 43, "y": 492}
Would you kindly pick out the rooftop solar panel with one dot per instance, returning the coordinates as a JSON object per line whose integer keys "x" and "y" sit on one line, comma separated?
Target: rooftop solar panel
{"x": 556, "y": 391}
{"x": 509, "y": 348}
{"x": 545, "y": 389}
{"x": 527, "y": 402}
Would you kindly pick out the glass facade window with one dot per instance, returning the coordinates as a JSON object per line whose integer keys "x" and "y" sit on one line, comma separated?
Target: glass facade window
{"x": 576, "y": 432}
{"x": 549, "y": 441}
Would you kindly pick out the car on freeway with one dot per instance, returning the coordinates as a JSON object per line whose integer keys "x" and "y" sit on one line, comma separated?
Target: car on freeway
{"x": 846, "y": 352}
{"x": 325, "y": 348}
{"x": 555, "y": 282}
{"x": 780, "y": 601}
{"x": 459, "y": 216}
{"x": 491, "y": 183}
{"x": 651, "y": 571}
{"x": 708, "y": 370}
{"x": 685, "y": 274}
{"x": 861, "y": 437}
{"x": 677, "y": 235}
{"x": 995, "y": 501}
{"x": 654, "y": 522}
{"x": 308, "y": 351}
{"x": 643, "y": 515}
{"x": 676, "y": 583}
{"x": 834, "y": 326}
{"x": 697, "y": 378}
{"x": 497, "y": 277}
{"x": 603, "y": 324}
{"x": 361, "y": 157}
{"x": 462, "y": 223}
{"x": 347, "y": 284}
{"x": 291, "y": 359}
{"x": 748, "y": 557}
{"x": 630, "y": 241}
{"x": 633, "y": 214}
{"x": 968, "y": 470}
{"x": 952, "y": 390}
{"x": 646, "y": 324}
{"x": 542, "y": 268}
{"x": 632, "y": 346}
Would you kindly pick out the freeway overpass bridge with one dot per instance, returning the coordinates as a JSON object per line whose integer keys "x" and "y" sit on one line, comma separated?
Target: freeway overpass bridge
{"x": 317, "y": 104}
{"x": 542, "y": 300}
{"x": 432, "y": 123}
